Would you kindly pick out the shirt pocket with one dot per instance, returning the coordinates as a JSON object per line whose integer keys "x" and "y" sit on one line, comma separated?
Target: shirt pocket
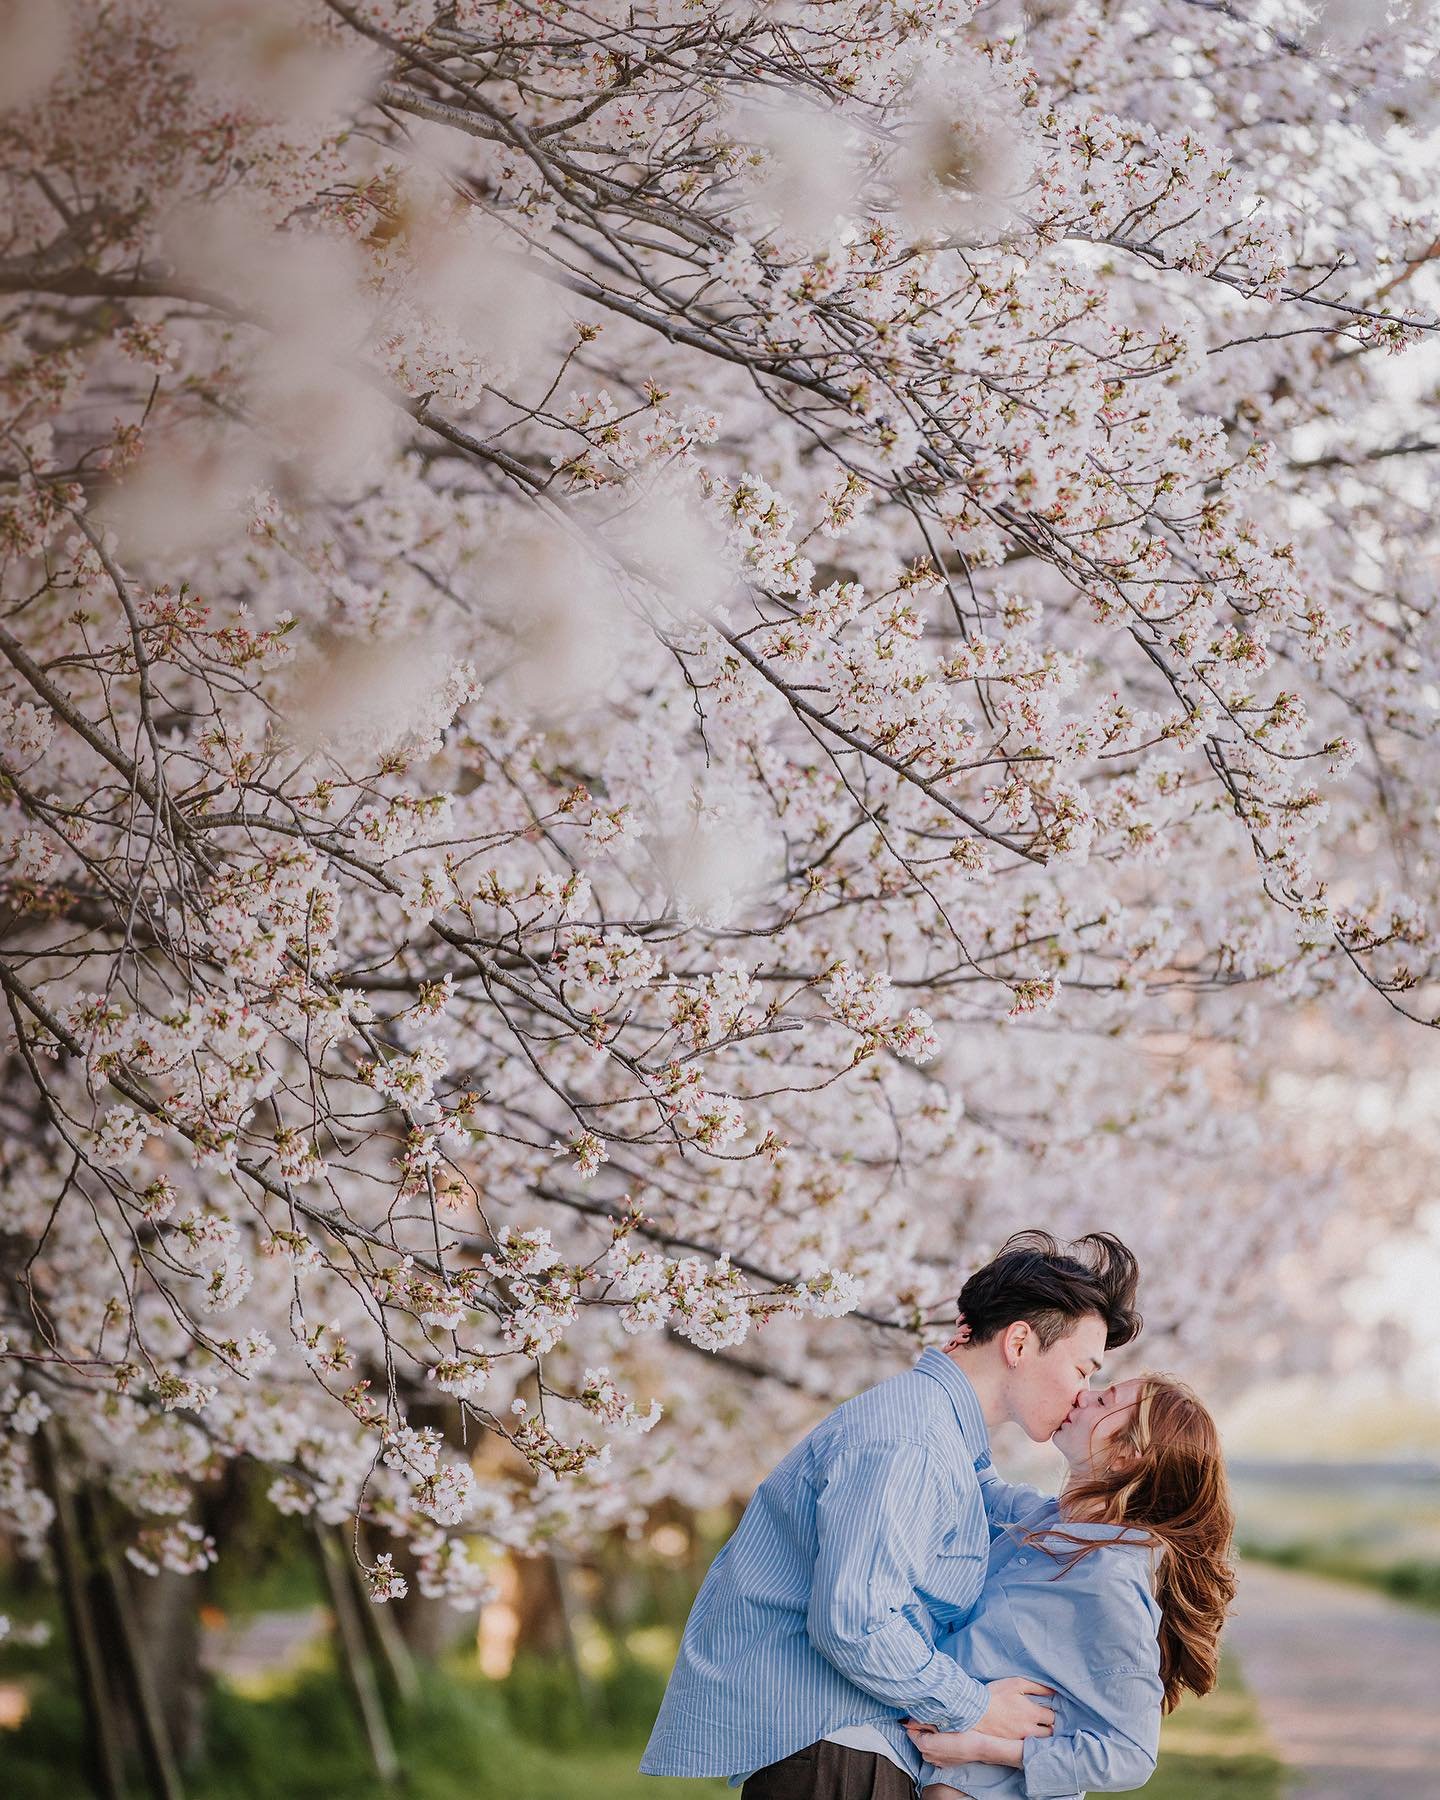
{"x": 958, "y": 1542}
{"x": 956, "y": 1576}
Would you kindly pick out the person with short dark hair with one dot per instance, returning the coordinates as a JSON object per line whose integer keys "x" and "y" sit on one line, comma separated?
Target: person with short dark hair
{"x": 814, "y": 1634}
{"x": 1034, "y": 1279}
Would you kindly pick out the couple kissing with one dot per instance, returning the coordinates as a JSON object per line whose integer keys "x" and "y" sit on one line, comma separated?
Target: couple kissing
{"x": 890, "y": 1617}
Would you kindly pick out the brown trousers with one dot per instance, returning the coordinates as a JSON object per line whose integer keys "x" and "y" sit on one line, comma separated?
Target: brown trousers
{"x": 827, "y": 1771}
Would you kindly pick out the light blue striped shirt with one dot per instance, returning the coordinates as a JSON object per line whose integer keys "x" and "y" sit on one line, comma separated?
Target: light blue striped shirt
{"x": 1088, "y": 1631}
{"x": 822, "y": 1610}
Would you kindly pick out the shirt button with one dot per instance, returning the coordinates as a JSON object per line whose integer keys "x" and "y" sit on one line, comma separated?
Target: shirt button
{"x": 1022, "y": 1559}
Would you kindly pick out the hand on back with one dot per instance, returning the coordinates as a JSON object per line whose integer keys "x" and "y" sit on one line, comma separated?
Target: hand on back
{"x": 1014, "y": 1711}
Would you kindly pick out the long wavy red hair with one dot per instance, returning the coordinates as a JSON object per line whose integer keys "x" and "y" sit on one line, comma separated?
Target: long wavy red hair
{"x": 1163, "y": 1476}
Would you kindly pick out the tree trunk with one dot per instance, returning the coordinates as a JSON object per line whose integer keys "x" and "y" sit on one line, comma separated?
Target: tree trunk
{"x": 547, "y": 1609}
{"x": 104, "y": 1732}
{"x": 167, "y": 1621}
{"x": 356, "y": 1662}
{"x": 394, "y": 1654}
{"x": 428, "y": 1627}
{"x": 541, "y": 1608}
{"x": 135, "y": 1659}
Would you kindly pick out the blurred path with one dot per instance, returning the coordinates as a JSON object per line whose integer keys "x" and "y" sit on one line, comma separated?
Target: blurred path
{"x": 1347, "y": 1681}
{"x": 266, "y": 1645}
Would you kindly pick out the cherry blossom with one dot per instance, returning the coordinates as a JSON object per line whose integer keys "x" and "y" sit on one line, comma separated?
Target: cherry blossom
{"x": 643, "y": 701}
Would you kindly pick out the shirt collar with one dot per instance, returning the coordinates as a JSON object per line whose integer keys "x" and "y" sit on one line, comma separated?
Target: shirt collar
{"x": 939, "y": 1367}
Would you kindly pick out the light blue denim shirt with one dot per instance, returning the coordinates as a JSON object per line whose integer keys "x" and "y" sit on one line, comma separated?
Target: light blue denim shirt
{"x": 1089, "y": 1631}
{"x": 822, "y": 1610}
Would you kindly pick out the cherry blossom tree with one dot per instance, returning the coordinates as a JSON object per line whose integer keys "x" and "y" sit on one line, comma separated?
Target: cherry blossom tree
{"x": 660, "y": 668}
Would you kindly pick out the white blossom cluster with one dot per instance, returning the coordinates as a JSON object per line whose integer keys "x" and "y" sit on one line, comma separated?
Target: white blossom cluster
{"x": 643, "y": 701}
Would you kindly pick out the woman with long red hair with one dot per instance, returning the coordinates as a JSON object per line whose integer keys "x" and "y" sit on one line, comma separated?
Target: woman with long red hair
{"x": 1112, "y": 1594}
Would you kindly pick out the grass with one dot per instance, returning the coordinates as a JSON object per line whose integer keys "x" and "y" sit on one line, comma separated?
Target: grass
{"x": 456, "y": 1743}
{"x": 463, "y": 1740}
{"x": 1380, "y": 1531}
{"x": 1412, "y": 1579}
{"x": 1353, "y": 1525}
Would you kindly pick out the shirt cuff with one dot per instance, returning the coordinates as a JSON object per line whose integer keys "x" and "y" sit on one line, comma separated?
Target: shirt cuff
{"x": 1050, "y": 1771}
{"x": 970, "y": 1707}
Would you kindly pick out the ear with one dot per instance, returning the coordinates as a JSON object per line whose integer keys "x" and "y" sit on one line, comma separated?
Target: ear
{"x": 1017, "y": 1337}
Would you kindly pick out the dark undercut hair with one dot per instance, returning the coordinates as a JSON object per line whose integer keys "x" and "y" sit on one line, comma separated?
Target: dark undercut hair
{"x": 1051, "y": 1287}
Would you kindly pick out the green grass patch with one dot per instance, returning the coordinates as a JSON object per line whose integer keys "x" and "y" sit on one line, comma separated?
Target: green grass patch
{"x": 1355, "y": 1526}
{"x": 1413, "y": 1579}
{"x": 533, "y": 1737}
{"x": 456, "y": 1743}
{"x": 468, "y": 1739}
